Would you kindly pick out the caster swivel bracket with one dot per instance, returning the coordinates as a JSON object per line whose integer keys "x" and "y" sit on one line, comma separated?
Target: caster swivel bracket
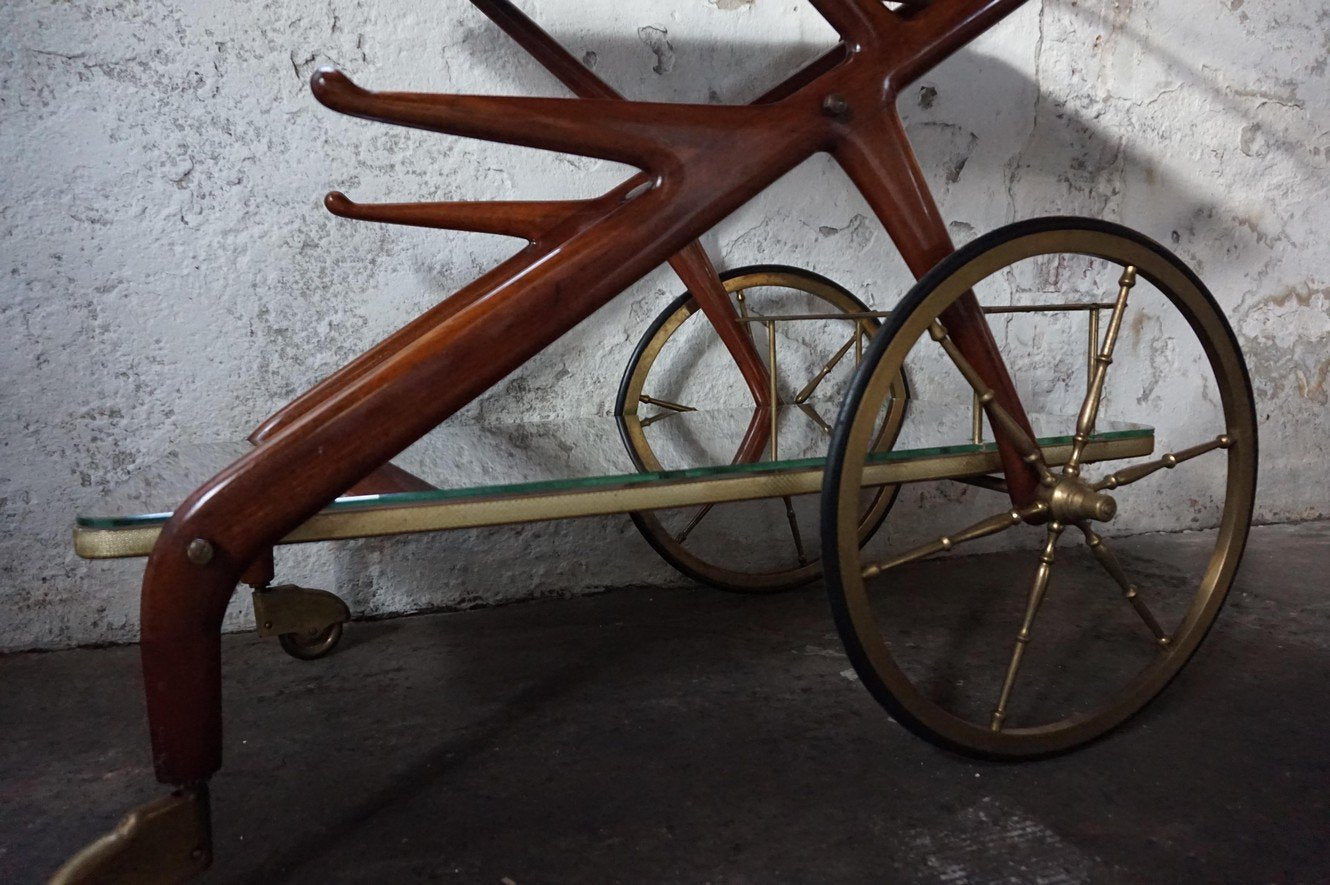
{"x": 308, "y": 622}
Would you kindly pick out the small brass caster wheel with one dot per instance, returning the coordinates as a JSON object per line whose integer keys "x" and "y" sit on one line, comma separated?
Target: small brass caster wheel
{"x": 313, "y": 645}
{"x": 307, "y": 622}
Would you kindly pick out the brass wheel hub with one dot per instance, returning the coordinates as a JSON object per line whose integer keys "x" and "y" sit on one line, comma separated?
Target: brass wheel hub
{"x": 1071, "y": 501}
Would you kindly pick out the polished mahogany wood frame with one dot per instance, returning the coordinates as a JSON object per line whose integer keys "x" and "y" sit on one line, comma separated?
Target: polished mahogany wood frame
{"x": 698, "y": 164}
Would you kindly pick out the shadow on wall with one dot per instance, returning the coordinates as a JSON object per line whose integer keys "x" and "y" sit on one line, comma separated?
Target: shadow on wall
{"x": 1291, "y": 142}
{"x": 1257, "y": 86}
{"x": 1057, "y": 161}
{"x": 1077, "y": 150}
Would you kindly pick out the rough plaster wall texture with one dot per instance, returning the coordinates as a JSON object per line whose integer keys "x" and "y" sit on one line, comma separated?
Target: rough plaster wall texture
{"x": 169, "y": 275}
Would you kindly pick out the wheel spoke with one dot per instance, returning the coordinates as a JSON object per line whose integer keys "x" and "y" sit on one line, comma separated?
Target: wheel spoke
{"x": 659, "y": 416}
{"x": 773, "y": 390}
{"x": 1090, "y": 407}
{"x": 1108, "y": 559}
{"x": 664, "y": 404}
{"x": 692, "y": 523}
{"x": 999, "y": 522}
{"x": 803, "y": 395}
{"x": 816, "y": 418}
{"x": 1002, "y": 420}
{"x": 794, "y": 530}
{"x": 1037, "y": 591}
{"x": 1129, "y": 475}
{"x": 984, "y": 481}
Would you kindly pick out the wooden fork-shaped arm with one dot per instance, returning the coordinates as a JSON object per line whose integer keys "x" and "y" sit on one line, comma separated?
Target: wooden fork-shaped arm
{"x": 527, "y": 220}
{"x": 647, "y": 135}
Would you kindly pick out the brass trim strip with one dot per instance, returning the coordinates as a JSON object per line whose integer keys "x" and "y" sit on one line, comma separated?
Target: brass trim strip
{"x": 1066, "y": 306}
{"x": 91, "y": 543}
{"x": 115, "y": 543}
{"x": 1048, "y": 308}
{"x": 765, "y": 318}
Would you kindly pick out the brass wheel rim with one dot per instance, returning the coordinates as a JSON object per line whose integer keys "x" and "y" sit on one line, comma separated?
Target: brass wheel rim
{"x": 719, "y": 574}
{"x": 856, "y": 619}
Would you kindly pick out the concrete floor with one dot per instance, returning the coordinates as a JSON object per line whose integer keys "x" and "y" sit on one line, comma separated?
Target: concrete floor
{"x": 690, "y": 736}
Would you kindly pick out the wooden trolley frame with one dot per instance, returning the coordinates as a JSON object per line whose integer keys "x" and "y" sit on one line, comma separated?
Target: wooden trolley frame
{"x": 698, "y": 164}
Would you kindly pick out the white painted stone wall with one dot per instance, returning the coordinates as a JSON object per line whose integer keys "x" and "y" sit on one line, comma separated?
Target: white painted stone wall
{"x": 167, "y": 273}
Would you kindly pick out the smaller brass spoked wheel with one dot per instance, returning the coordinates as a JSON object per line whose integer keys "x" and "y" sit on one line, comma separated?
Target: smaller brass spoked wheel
{"x": 1041, "y": 644}
{"x": 684, "y": 404}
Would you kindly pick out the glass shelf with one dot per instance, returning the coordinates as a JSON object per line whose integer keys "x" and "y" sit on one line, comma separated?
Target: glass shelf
{"x": 583, "y": 463}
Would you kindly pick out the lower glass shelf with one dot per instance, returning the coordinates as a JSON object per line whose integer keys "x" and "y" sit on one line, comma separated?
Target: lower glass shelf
{"x": 579, "y": 467}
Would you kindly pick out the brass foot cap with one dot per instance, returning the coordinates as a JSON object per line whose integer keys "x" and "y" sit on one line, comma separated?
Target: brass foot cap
{"x": 167, "y": 840}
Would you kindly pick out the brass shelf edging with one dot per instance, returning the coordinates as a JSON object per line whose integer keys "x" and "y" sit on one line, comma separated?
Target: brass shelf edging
{"x": 117, "y": 543}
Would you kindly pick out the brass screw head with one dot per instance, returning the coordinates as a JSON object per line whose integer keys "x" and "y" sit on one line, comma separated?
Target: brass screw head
{"x": 835, "y": 105}
{"x": 199, "y": 552}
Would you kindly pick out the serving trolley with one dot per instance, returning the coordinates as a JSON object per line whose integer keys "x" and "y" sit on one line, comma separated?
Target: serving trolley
{"x": 767, "y": 424}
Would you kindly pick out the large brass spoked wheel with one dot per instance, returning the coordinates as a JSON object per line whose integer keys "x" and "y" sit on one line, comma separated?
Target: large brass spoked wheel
{"x": 683, "y": 403}
{"x": 1082, "y": 605}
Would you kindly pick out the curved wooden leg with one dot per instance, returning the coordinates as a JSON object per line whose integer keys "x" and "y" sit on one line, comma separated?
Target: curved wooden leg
{"x": 183, "y": 601}
{"x": 184, "y": 597}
